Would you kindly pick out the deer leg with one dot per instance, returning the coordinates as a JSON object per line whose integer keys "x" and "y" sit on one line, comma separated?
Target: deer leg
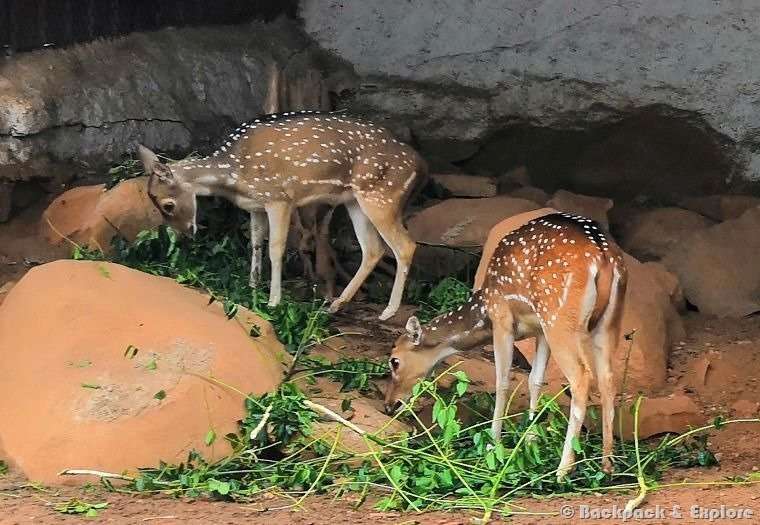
{"x": 388, "y": 223}
{"x": 304, "y": 241}
{"x": 324, "y": 254}
{"x": 258, "y": 231}
{"x": 372, "y": 251}
{"x": 574, "y": 365}
{"x": 278, "y": 214}
{"x": 537, "y": 372}
{"x": 604, "y": 343}
{"x": 503, "y": 346}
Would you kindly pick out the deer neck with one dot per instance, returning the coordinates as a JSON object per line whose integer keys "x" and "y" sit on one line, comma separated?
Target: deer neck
{"x": 208, "y": 176}
{"x": 465, "y": 328}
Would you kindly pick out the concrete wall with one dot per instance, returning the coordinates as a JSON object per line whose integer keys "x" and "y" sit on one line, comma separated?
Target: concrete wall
{"x": 466, "y": 68}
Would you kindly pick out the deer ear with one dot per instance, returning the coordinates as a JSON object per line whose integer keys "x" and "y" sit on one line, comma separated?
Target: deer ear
{"x": 414, "y": 329}
{"x": 152, "y": 165}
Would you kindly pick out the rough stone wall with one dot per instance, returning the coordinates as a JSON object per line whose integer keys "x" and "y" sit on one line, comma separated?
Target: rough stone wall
{"x": 463, "y": 69}
{"x": 64, "y": 113}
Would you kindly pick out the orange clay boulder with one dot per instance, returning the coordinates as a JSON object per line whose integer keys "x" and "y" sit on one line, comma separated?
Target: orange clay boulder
{"x": 650, "y": 235}
{"x": 718, "y": 266}
{"x": 592, "y": 207}
{"x": 464, "y": 223}
{"x": 91, "y": 216}
{"x": 71, "y": 398}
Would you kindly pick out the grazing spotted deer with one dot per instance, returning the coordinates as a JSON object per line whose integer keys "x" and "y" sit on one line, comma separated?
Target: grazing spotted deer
{"x": 280, "y": 162}
{"x": 557, "y": 278}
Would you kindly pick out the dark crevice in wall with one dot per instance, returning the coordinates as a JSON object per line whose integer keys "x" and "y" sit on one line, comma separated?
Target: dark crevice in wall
{"x": 651, "y": 155}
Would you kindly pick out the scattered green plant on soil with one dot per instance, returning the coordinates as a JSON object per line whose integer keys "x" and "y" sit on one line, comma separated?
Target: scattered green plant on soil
{"x": 351, "y": 373}
{"x": 451, "y": 463}
{"x": 217, "y": 259}
{"x": 77, "y": 506}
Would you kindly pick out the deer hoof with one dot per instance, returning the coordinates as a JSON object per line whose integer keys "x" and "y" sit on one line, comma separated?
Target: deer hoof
{"x": 387, "y": 314}
{"x": 607, "y": 466}
{"x": 335, "y": 306}
{"x": 562, "y": 472}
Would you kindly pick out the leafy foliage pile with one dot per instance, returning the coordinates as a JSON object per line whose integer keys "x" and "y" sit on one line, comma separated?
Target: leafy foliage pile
{"x": 352, "y": 374}
{"x": 217, "y": 259}
{"x": 449, "y": 464}
{"x": 129, "y": 169}
{"x": 441, "y": 298}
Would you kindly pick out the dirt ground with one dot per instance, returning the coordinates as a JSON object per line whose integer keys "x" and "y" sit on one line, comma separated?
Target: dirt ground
{"x": 718, "y": 365}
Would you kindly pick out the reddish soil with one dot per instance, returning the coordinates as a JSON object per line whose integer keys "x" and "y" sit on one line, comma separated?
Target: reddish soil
{"x": 718, "y": 365}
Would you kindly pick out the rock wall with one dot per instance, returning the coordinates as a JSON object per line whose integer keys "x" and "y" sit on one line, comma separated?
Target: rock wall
{"x": 624, "y": 100}
{"x": 64, "y": 113}
{"x": 462, "y": 71}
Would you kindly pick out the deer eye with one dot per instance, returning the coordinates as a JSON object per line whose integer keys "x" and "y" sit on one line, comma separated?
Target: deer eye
{"x": 168, "y": 207}
{"x": 394, "y": 363}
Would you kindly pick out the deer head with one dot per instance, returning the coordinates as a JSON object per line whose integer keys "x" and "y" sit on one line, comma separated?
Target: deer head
{"x": 173, "y": 196}
{"x": 420, "y": 349}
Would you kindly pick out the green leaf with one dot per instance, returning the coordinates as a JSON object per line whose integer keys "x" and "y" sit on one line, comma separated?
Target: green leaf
{"x": 221, "y": 487}
{"x": 491, "y": 460}
{"x": 438, "y": 407}
{"x": 535, "y": 452}
{"x": 345, "y": 404}
{"x": 705, "y": 458}
{"x": 461, "y": 376}
{"x": 230, "y": 309}
{"x": 91, "y": 385}
{"x": 461, "y": 388}
{"x": 151, "y": 365}
{"x": 576, "y": 445}
{"x": 499, "y": 452}
{"x": 161, "y": 394}
{"x": 446, "y": 479}
{"x": 719, "y": 422}
{"x": 395, "y": 473}
{"x": 210, "y": 437}
{"x": 104, "y": 271}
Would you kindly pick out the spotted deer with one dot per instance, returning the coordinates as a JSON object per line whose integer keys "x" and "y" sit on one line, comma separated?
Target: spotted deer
{"x": 277, "y": 163}
{"x": 557, "y": 278}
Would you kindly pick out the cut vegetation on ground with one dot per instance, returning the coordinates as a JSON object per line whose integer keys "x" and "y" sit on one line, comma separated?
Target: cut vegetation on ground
{"x": 446, "y": 461}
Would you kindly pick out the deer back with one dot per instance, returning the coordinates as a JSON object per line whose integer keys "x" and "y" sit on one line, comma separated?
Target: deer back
{"x": 545, "y": 267}
{"x": 301, "y": 156}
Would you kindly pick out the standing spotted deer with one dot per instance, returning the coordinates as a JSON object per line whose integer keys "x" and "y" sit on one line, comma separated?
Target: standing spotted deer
{"x": 557, "y": 278}
{"x": 278, "y": 163}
